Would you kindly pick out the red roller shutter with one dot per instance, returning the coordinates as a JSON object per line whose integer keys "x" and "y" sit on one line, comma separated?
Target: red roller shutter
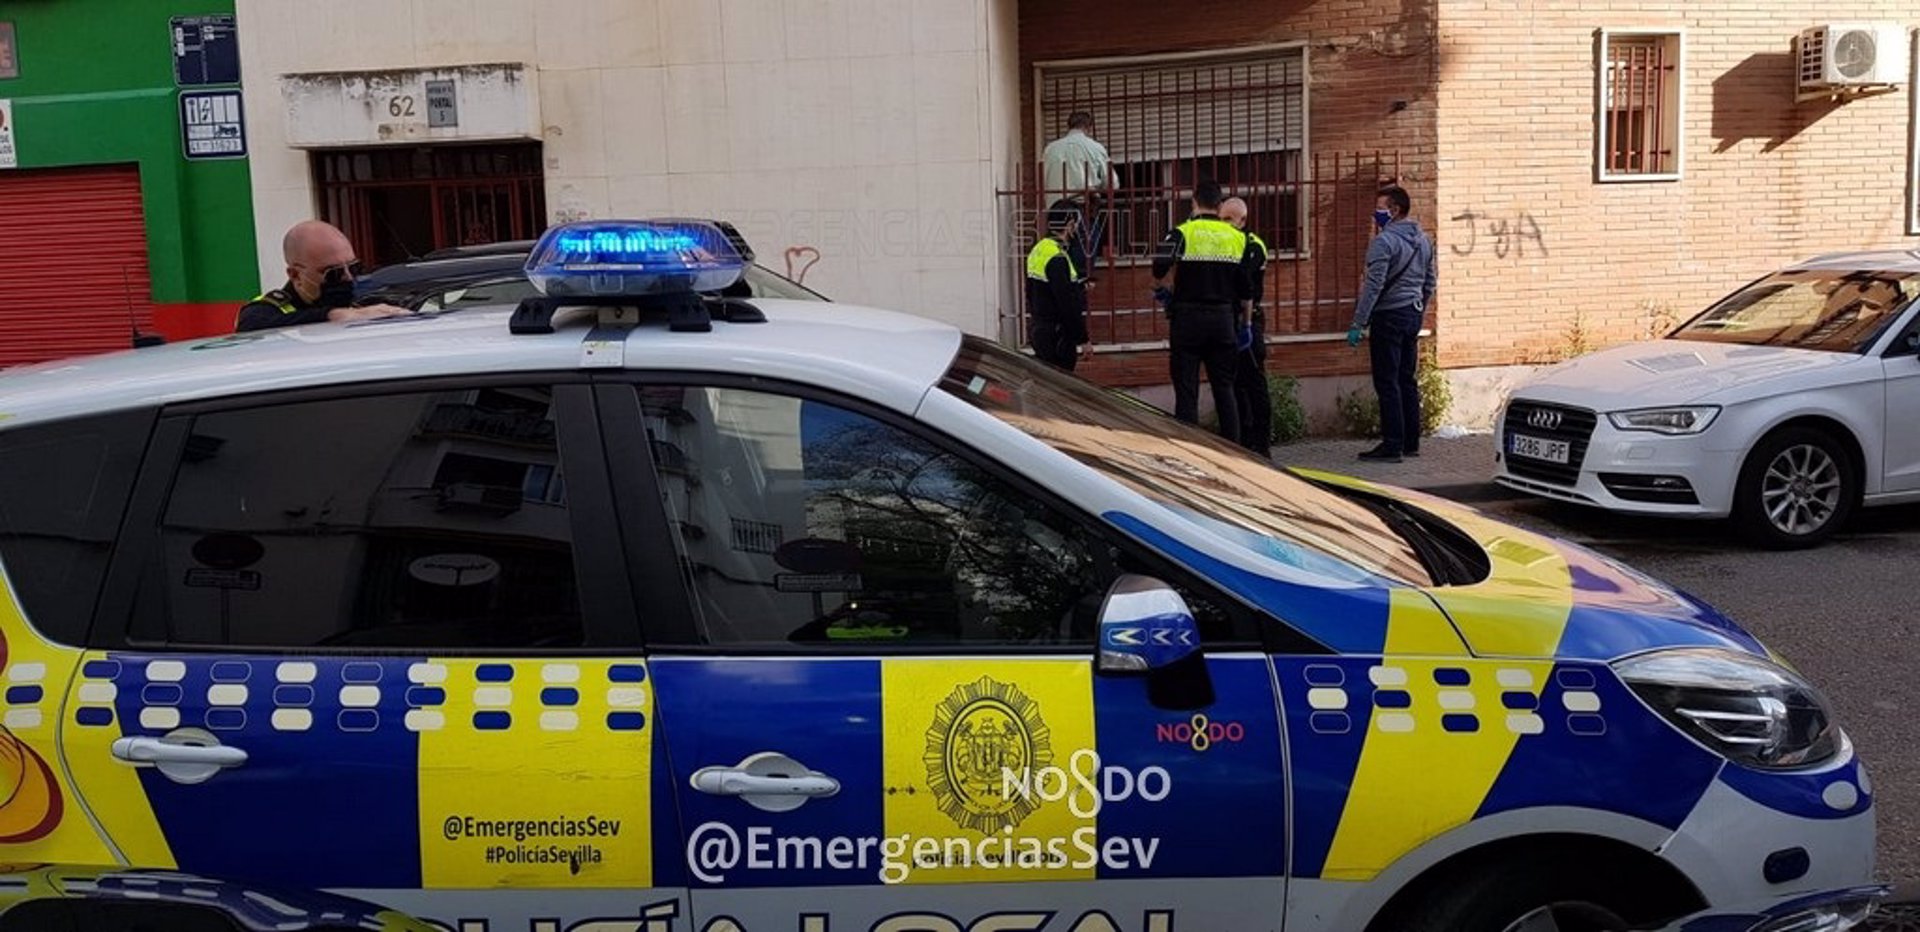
{"x": 73, "y": 262}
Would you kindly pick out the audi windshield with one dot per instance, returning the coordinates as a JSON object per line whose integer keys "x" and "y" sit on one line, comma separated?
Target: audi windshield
{"x": 1838, "y": 310}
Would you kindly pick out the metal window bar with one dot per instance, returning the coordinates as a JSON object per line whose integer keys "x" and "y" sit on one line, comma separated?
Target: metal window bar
{"x": 473, "y": 194}
{"x": 1325, "y": 199}
{"x": 1639, "y": 76}
{"x": 1165, "y": 126}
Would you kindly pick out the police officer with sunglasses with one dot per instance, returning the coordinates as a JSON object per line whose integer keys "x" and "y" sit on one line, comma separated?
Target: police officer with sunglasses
{"x": 320, "y": 271}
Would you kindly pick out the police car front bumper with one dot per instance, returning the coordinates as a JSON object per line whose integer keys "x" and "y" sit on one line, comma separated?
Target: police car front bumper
{"x": 1835, "y": 911}
{"x": 1774, "y": 836}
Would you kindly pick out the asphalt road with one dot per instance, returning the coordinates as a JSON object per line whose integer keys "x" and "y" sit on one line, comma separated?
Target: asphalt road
{"x": 1847, "y": 615}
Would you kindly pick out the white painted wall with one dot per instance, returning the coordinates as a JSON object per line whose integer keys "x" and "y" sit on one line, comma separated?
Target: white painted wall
{"x": 872, "y": 130}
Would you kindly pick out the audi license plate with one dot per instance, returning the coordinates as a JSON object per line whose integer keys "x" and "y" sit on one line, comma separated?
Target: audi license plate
{"x": 1536, "y": 448}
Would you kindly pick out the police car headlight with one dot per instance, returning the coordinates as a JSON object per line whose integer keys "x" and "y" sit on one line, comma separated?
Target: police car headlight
{"x": 1751, "y": 710}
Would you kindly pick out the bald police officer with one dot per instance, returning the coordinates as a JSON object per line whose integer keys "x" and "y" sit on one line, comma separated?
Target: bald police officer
{"x": 1213, "y": 267}
{"x": 320, "y": 272}
{"x": 1250, "y": 368}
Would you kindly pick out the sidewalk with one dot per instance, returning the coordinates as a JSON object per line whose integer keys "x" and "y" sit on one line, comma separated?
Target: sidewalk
{"x": 1460, "y": 468}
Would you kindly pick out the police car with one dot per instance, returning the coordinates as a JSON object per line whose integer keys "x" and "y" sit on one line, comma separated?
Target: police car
{"x": 632, "y": 607}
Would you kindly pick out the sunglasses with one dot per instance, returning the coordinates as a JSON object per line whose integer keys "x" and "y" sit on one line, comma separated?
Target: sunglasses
{"x": 345, "y": 271}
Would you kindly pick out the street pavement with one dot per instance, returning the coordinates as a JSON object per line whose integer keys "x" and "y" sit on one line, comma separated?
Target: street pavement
{"x": 1841, "y": 613}
{"x": 1460, "y": 468}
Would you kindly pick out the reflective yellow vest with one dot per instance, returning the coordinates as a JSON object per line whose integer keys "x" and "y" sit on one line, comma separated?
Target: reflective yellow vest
{"x": 1211, "y": 239}
{"x": 1042, "y": 254}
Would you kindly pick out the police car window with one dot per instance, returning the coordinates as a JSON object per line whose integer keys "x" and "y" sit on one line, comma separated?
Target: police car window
{"x": 1190, "y": 471}
{"x": 435, "y": 520}
{"x": 66, "y": 489}
{"x": 800, "y": 522}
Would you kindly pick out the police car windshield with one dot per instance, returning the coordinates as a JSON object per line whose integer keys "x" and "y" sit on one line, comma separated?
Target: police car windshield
{"x": 1191, "y": 471}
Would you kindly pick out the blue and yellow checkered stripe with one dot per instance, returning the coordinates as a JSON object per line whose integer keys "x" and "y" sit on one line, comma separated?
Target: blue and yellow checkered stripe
{"x": 1390, "y": 753}
{"x": 356, "y": 767}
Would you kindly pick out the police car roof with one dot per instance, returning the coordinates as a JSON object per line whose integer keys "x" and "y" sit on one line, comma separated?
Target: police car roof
{"x": 886, "y": 357}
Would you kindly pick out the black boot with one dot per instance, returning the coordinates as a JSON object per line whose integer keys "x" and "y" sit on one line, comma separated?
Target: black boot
{"x": 1381, "y": 454}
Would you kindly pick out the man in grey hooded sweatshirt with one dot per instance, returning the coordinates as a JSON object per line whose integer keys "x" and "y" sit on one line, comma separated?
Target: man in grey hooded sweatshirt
{"x": 1401, "y": 273}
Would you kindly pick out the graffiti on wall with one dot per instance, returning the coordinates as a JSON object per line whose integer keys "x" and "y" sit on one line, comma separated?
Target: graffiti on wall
{"x": 1505, "y": 236}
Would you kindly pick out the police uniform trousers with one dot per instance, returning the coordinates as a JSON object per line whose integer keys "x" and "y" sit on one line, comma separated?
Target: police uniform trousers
{"x": 1202, "y": 335}
{"x": 1051, "y": 344}
{"x": 1250, "y": 391}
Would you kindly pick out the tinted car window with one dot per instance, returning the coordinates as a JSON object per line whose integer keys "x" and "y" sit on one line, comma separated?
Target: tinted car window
{"x": 65, "y": 492}
{"x": 1217, "y": 485}
{"x": 432, "y": 520}
{"x": 802, "y": 522}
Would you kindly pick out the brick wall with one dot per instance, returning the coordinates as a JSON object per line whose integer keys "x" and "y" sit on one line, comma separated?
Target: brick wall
{"x": 1766, "y": 180}
{"x": 1362, "y": 57}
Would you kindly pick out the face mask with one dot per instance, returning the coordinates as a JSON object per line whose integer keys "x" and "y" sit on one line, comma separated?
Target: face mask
{"x": 336, "y": 289}
{"x": 336, "y": 293}
{"x": 1381, "y": 218}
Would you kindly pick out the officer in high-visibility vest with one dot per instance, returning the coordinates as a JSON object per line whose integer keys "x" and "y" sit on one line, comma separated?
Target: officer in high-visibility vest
{"x": 320, "y": 272}
{"x": 1250, "y": 367}
{"x": 1057, "y": 292}
{"x": 1211, "y": 298}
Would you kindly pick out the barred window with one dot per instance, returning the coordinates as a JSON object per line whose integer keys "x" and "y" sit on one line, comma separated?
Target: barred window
{"x": 1236, "y": 117}
{"x": 1639, "y": 121}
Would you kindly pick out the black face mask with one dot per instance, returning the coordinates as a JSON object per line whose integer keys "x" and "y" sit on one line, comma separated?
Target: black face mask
{"x": 336, "y": 294}
{"x": 336, "y": 289}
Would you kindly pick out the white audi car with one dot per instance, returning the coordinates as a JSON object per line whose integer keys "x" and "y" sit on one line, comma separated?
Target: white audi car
{"x": 1785, "y": 405}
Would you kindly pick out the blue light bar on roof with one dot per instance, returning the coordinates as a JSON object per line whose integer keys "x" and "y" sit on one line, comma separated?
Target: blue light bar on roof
{"x": 633, "y": 258}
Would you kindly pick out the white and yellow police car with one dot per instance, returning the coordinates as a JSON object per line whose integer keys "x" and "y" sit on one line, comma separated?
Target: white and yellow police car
{"x": 637, "y": 608}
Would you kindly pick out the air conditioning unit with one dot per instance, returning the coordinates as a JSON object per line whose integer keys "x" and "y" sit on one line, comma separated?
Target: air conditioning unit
{"x": 1839, "y": 57}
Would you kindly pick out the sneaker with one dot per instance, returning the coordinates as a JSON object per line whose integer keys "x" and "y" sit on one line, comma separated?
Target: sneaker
{"x": 1381, "y": 454}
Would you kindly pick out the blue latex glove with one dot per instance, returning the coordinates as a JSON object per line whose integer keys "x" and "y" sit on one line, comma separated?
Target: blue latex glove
{"x": 1244, "y": 340}
{"x": 1353, "y": 336}
{"x": 1162, "y": 294}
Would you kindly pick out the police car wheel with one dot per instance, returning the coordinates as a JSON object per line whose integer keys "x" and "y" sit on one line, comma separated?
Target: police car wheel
{"x": 1568, "y": 917}
{"x": 1550, "y": 894}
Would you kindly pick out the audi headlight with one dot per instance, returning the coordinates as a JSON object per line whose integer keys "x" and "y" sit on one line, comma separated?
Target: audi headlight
{"x": 1748, "y": 708}
{"x": 1691, "y": 420}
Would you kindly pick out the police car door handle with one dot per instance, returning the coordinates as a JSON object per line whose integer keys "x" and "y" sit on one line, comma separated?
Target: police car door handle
{"x": 730, "y": 782}
{"x": 770, "y": 781}
{"x": 156, "y": 751}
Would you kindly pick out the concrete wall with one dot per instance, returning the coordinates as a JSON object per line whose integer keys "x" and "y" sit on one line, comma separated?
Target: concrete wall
{"x": 861, "y": 128}
{"x": 1534, "y": 251}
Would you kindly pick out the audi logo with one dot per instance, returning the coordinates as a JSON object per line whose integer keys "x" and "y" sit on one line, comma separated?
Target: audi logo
{"x": 1544, "y": 420}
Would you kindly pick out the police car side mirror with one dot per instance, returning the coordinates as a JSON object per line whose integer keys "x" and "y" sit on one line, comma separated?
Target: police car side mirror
{"x": 1145, "y": 626}
{"x": 1147, "y": 629}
